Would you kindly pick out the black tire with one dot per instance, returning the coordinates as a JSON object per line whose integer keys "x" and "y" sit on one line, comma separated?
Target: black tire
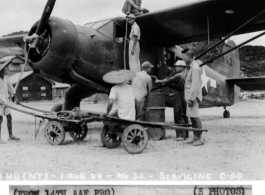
{"x": 226, "y": 114}
{"x": 57, "y": 108}
{"x": 54, "y": 133}
{"x": 109, "y": 140}
{"x": 134, "y": 139}
{"x": 79, "y": 133}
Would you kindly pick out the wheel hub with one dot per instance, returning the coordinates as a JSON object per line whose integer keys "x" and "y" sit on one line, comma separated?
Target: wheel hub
{"x": 136, "y": 140}
{"x": 53, "y": 134}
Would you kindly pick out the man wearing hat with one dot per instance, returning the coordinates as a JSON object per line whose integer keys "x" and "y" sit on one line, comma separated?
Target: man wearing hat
{"x": 179, "y": 102}
{"x": 134, "y": 46}
{"x": 193, "y": 94}
{"x": 5, "y": 87}
{"x": 142, "y": 85}
{"x": 122, "y": 92}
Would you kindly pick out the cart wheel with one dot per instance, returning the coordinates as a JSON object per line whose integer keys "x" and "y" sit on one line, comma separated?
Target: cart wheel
{"x": 226, "y": 114}
{"x": 79, "y": 133}
{"x": 134, "y": 139}
{"x": 54, "y": 133}
{"x": 109, "y": 140}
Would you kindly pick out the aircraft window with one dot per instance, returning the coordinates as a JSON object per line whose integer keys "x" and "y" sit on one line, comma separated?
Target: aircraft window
{"x": 25, "y": 95}
{"x": 99, "y": 24}
{"x": 25, "y": 88}
{"x": 120, "y": 34}
{"x": 107, "y": 30}
{"x": 88, "y": 25}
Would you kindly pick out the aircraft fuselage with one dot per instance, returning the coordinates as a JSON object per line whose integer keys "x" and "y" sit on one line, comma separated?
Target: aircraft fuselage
{"x": 81, "y": 55}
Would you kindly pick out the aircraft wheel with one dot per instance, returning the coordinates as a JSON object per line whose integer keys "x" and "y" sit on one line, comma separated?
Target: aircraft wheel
{"x": 226, "y": 114}
{"x": 79, "y": 133}
{"x": 54, "y": 133}
{"x": 134, "y": 139}
{"x": 108, "y": 139}
{"x": 57, "y": 108}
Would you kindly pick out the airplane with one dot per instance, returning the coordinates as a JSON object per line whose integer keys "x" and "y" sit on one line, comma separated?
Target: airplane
{"x": 81, "y": 54}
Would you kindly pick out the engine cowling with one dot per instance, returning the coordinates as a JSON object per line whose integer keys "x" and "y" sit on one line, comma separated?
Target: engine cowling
{"x": 56, "y": 50}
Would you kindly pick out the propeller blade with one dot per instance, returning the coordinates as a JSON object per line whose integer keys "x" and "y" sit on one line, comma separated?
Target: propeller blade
{"x": 45, "y": 16}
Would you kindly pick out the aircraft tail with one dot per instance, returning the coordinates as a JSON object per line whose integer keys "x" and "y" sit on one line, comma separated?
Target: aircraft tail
{"x": 229, "y": 67}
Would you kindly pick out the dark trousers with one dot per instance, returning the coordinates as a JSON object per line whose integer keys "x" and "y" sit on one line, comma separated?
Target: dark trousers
{"x": 180, "y": 113}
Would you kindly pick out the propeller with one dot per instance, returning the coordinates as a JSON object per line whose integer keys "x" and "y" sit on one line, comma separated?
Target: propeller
{"x": 45, "y": 16}
{"x": 35, "y": 38}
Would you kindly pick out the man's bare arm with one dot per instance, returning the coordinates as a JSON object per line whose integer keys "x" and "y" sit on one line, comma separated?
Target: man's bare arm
{"x": 162, "y": 81}
{"x": 110, "y": 105}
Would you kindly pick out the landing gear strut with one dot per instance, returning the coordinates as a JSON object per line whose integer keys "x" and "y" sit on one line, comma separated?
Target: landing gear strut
{"x": 226, "y": 113}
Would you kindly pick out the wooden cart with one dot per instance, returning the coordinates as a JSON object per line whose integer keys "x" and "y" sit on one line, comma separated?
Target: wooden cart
{"x": 132, "y": 134}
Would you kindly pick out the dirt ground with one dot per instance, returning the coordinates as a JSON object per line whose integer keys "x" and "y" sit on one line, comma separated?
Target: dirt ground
{"x": 234, "y": 150}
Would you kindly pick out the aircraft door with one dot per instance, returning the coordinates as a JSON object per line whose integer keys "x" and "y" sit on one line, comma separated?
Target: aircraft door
{"x": 121, "y": 46}
{"x": 169, "y": 61}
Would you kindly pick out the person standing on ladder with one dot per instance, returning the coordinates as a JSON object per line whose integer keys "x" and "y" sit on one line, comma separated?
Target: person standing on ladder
{"x": 134, "y": 46}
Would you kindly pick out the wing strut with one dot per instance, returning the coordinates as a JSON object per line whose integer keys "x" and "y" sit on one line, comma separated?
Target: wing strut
{"x": 259, "y": 35}
{"x": 229, "y": 35}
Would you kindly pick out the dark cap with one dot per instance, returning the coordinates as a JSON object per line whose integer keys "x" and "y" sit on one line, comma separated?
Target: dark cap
{"x": 131, "y": 16}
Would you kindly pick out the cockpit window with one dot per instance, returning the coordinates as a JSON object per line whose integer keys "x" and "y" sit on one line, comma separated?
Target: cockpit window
{"x": 106, "y": 27}
{"x": 96, "y": 25}
{"x": 99, "y": 24}
{"x": 107, "y": 30}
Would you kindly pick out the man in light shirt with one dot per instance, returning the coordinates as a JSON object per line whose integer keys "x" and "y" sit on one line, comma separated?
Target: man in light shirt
{"x": 142, "y": 85}
{"x": 134, "y": 46}
{"x": 193, "y": 94}
{"x": 122, "y": 92}
{"x": 5, "y": 87}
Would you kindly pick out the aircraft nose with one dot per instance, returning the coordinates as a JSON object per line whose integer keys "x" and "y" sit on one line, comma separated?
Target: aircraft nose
{"x": 56, "y": 50}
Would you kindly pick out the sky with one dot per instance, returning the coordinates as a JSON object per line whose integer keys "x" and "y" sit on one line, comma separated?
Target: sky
{"x": 22, "y": 14}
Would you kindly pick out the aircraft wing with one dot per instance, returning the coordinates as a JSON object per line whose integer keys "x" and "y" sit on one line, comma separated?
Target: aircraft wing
{"x": 254, "y": 83}
{"x": 11, "y": 45}
{"x": 189, "y": 23}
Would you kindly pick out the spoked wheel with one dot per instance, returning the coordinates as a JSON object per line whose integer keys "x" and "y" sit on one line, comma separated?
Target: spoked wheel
{"x": 134, "y": 139}
{"x": 110, "y": 140}
{"x": 79, "y": 133}
{"x": 226, "y": 114}
{"x": 54, "y": 133}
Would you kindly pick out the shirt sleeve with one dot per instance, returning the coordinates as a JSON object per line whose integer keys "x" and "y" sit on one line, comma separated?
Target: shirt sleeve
{"x": 136, "y": 31}
{"x": 113, "y": 93}
{"x": 173, "y": 78}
